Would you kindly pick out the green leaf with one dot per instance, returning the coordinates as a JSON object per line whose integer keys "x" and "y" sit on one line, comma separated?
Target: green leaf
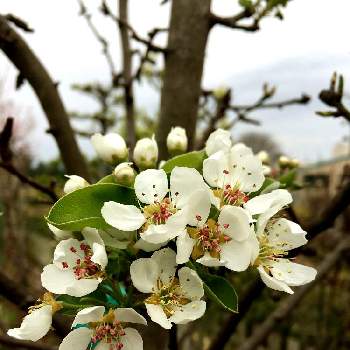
{"x": 109, "y": 179}
{"x": 218, "y": 289}
{"x": 190, "y": 160}
{"x": 288, "y": 179}
{"x": 246, "y": 3}
{"x": 82, "y": 207}
{"x": 268, "y": 186}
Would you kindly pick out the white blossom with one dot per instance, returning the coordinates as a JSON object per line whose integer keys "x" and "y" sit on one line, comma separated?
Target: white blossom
{"x": 164, "y": 215}
{"x": 264, "y": 157}
{"x": 74, "y": 183}
{"x": 177, "y": 140}
{"x": 219, "y": 140}
{"x": 93, "y": 329}
{"x": 78, "y": 266}
{"x": 225, "y": 242}
{"x": 170, "y": 299}
{"x": 276, "y": 236}
{"x": 146, "y": 153}
{"x": 59, "y": 234}
{"x": 110, "y": 147}
{"x": 38, "y": 322}
{"x": 233, "y": 173}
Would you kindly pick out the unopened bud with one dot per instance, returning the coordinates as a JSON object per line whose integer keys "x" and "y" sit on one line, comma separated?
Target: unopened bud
{"x": 74, "y": 183}
{"x": 295, "y": 163}
{"x": 111, "y": 147}
{"x": 60, "y": 234}
{"x": 220, "y": 92}
{"x": 219, "y": 140}
{"x": 124, "y": 174}
{"x": 264, "y": 157}
{"x": 146, "y": 153}
{"x": 284, "y": 161}
{"x": 177, "y": 141}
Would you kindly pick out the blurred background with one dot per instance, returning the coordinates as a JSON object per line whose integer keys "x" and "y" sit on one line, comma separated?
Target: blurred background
{"x": 262, "y": 84}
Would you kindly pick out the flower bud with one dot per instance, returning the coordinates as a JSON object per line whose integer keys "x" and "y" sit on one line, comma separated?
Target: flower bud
{"x": 267, "y": 170}
{"x": 124, "y": 174}
{"x": 177, "y": 141}
{"x": 220, "y": 92}
{"x": 146, "y": 153}
{"x": 218, "y": 140}
{"x": 264, "y": 157}
{"x": 111, "y": 147}
{"x": 284, "y": 161}
{"x": 295, "y": 163}
{"x": 74, "y": 183}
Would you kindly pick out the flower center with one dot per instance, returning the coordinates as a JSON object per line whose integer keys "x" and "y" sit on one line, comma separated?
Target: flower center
{"x": 85, "y": 267}
{"x": 209, "y": 238}
{"x": 169, "y": 296}
{"x": 47, "y": 299}
{"x": 159, "y": 212}
{"x": 108, "y": 330}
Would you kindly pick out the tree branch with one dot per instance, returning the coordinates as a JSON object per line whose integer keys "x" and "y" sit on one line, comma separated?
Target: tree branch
{"x": 289, "y": 303}
{"x": 22, "y": 344}
{"x": 34, "y": 72}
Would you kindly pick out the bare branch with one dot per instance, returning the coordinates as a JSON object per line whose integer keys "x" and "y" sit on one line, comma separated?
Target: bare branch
{"x": 12, "y": 342}
{"x": 99, "y": 37}
{"x": 6, "y": 154}
{"x": 34, "y": 72}
{"x": 20, "y": 23}
{"x": 288, "y": 304}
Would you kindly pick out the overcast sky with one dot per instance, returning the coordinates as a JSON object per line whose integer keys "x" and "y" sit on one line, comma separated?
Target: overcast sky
{"x": 298, "y": 54}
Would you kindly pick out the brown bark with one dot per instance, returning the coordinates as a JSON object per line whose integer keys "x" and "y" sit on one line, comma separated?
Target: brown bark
{"x": 188, "y": 34}
{"x": 32, "y": 70}
{"x": 127, "y": 74}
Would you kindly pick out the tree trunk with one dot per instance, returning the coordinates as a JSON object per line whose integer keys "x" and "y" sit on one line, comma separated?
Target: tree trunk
{"x": 188, "y": 33}
{"x": 127, "y": 74}
{"x": 32, "y": 70}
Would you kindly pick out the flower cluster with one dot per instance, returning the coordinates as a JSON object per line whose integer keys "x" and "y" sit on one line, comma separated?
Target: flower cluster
{"x": 175, "y": 225}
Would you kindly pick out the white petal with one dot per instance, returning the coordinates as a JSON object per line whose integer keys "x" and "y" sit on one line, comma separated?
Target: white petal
{"x": 59, "y": 234}
{"x": 60, "y": 281}
{"x": 240, "y": 150}
{"x": 218, "y": 140}
{"x": 199, "y": 204}
{"x": 144, "y": 274}
{"x": 151, "y": 185}
{"x": 56, "y": 280}
{"x": 34, "y": 326}
{"x": 238, "y": 221}
{"x": 166, "y": 260}
{"x": 287, "y": 233}
{"x": 63, "y": 253}
{"x": 207, "y": 260}
{"x": 129, "y": 315}
{"x": 183, "y": 183}
{"x": 291, "y": 273}
{"x": 89, "y": 314}
{"x": 273, "y": 283}
{"x": 156, "y": 313}
{"x": 82, "y": 287}
{"x": 264, "y": 202}
{"x": 190, "y": 283}
{"x": 111, "y": 241}
{"x": 97, "y": 245}
{"x": 123, "y": 217}
{"x": 132, "y": 340}
{"x": 248, "y": 173}
{"x": 165, "y": 232}
{"x": 213, "y": 169}
{"x": 148, "y": 247}
{"x": 184, "y": 247}
{"x": 237, "y": 255}
{"x": 78, "y": 339}
{"x": 189, "y": 312}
